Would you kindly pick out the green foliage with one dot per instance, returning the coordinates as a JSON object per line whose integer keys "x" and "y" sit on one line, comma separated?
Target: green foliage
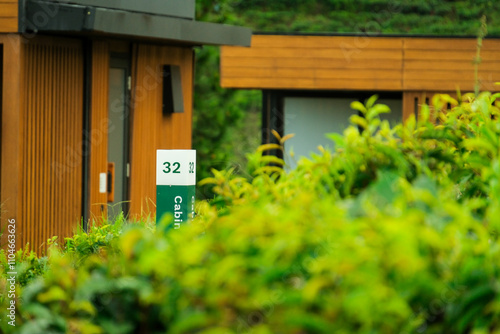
{"x": 394, "y": 232}
{"x": 28, "y": 266}
{"x": 223, "y": 119}
{"x": 95, "y": 239}
{"x": 220, "y": 131}
{"x": 219, "y": 117}
{"x": 367, "y": 16}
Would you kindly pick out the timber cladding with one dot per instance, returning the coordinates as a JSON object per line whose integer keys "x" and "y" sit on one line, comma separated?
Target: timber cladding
{"x": 53, "y": 122}
{"x": 9, "y": 12}
{"x": 151, "y": 130}
{"x": 359, "y": 63}
{"x": 98, "y": 127}
{"x": 42, "y": 163}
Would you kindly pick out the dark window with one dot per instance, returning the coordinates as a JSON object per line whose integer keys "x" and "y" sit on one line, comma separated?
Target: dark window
{"x": 172, "y": 90}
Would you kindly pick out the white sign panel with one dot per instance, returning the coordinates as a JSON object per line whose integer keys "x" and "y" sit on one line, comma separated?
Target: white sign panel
{"x": 103, "y": 182}
{"x": 176, "y": 167}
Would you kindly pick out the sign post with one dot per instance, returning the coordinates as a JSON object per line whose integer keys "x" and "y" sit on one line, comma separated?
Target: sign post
{"x": 175, "y": 185}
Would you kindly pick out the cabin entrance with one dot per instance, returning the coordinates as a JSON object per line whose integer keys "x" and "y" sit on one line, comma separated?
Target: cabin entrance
{"x": 118, "y": 136}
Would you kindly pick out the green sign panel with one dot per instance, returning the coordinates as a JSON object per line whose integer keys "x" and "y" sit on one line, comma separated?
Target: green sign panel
{"x": 175, "y": 185}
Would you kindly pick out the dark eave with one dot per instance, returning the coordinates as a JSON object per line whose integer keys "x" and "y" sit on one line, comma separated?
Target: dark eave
{"x": 176, "y": 8}
{"x": 50, "y": 17}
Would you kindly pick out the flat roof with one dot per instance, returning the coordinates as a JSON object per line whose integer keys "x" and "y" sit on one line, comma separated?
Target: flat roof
{"x": 366, "y": 34}
{"x": 176, "y": 8}
{"x": 64, "y": 18}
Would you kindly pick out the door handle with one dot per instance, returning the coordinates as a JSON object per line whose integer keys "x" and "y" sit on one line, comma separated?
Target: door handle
{"x": 111, "y": 182}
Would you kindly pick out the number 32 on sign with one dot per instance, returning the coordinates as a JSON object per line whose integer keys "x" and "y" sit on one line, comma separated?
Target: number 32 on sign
{"x": 175, "y": 185}
{"x": 175, "y": 167}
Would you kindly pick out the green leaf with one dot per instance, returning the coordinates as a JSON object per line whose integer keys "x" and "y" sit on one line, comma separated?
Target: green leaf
{"x": 286, "y": 137}
{"x": 268, "y": 147}
{"x": 356, "y": 105}
{"x": 491, "y": 136}
{"x": 371, "y": 101}
{"x": 338, "y": 139}
{"x": 55, "y": 293}
{"x": 360, "y": 121}
{"x": 267, "y": 159}
{"x": 208, "y": 180}
{"x": 269, "y": 170}
{"x": 444, "y": 134}
{"x": 424, "y": 114}
{"x": 479, "y": 144}
{"x": 377, "y": 110}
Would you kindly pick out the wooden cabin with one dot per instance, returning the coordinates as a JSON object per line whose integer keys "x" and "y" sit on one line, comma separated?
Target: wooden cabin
{"x": 89, "y": 90}
{"x": 308, "y": 81}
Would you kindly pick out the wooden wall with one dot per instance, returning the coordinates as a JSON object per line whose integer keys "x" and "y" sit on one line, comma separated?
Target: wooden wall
{"x": 11, "y": 133}
{"x": 9, "y": 15}
{"x": 53, "y": 113}
{"x": 99, "y": 127}
{"x": 359, "y": 63}
{"x": 47, "y": 151}
{"x": 446, "y": 64}
{"x": 150, "y": 129}
{"x": 313, "y": 62}
{"x": 413, "y": 101}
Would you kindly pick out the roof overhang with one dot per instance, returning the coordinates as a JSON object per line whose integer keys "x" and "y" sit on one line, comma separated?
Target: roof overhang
{"x": 397, "y": 63}
{"x": 177, "y": 8}
{"x": 50, "y": 17}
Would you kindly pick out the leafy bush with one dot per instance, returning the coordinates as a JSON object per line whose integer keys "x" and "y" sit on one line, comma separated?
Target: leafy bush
{"x": 99, "y": 236}
{"x": 394, "y": 232}
{"x": 29, "y": 266}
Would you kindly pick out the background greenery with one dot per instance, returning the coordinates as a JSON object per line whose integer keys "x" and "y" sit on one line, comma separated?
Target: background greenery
{"x": 227, "y": 122}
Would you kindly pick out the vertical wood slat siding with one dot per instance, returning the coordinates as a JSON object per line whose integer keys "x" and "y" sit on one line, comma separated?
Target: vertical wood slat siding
{"x": 150, "y": 130}
{"x": 409, "y": 104}
{"x": 99, "y": 127}
{"x": 414, "y": 100}
{"x": 52, "y": 168}
{"x": 11, "y": 140}
{"x": 9, "y": 15}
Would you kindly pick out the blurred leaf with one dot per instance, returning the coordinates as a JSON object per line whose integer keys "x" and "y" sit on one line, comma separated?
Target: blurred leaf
{"x": 268, "y": 147}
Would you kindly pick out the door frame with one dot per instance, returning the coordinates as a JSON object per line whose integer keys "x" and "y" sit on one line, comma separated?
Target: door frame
{"x": 123, "y": 61}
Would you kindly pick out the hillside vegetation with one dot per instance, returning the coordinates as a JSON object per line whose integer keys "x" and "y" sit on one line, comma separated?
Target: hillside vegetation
{"x": 227, "y": 122}
{"x": 370, "y": 16}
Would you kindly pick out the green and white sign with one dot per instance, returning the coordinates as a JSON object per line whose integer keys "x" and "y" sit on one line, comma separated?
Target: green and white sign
{"x": 175, "y": 185}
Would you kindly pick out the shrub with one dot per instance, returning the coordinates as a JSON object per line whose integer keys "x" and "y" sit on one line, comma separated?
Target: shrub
{"x": 396, "y": 231}
{"x": 99, "y": 236}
